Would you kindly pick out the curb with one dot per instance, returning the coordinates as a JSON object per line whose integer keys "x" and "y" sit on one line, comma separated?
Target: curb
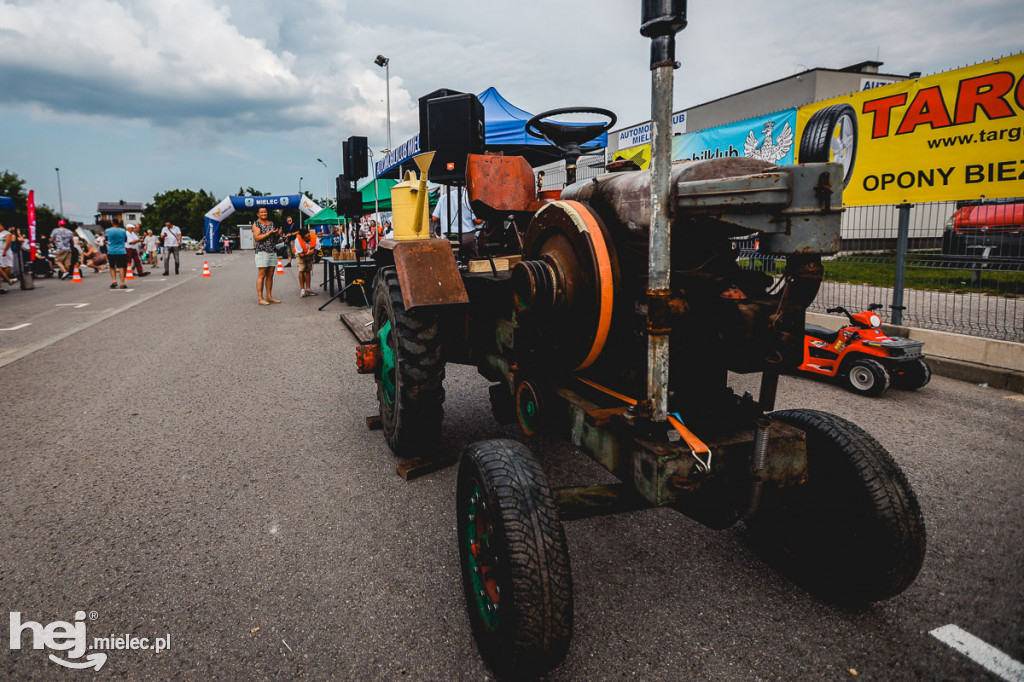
{"x": 995, "y": 377}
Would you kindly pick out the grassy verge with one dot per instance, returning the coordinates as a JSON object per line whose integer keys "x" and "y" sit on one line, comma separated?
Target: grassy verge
{"x": 929, "y": 272}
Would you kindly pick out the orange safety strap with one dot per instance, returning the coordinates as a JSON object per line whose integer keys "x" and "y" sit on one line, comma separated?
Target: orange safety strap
{"x": 695, "y": 444}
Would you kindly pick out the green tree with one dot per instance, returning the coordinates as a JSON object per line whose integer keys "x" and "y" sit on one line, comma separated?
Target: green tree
{"x": 14, "y": 187}
{"x": 185, "y": 208}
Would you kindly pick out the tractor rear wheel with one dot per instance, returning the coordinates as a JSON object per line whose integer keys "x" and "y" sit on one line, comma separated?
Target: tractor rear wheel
{"x": 515, "y": 562}
{"x": 410, "y": 387}
{"x": 853, "y": 533}
{"x": 867, "y": 377}
{"x": 911, "y": 375}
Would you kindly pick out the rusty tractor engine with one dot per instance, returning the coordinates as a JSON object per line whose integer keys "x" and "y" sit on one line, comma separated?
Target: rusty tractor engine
{"x": 580, "y": 292}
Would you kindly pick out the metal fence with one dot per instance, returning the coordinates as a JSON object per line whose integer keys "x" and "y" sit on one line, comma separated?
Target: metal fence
{"x": 917, "y": 279}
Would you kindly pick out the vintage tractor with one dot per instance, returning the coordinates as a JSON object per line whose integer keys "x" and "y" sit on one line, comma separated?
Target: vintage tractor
{"x": 621, "y": 339}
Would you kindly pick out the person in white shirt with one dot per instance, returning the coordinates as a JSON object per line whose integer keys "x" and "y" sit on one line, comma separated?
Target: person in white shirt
{"x": 171, "y": 234}
{"x": 440, "y": 222}
{"x": 439, "y": 218}
{"x": 132, "y": 244}
{"x": 151, "y": 242}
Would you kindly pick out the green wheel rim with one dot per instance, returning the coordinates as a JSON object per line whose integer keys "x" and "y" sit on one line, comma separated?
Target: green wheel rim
{"x": 481, "y": 559}
{"x": 387, "y": 356}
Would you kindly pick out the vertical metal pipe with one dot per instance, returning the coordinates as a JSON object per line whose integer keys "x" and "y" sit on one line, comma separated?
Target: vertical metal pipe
{"x": 659, "y": 257}
{"x": 387, "y": 84}
{"x": 60, "y": 195}
{"x": 900, "y": 278}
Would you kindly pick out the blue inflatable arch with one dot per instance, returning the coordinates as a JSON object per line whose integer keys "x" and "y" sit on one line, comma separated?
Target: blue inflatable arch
{"x": 231, "y": 204}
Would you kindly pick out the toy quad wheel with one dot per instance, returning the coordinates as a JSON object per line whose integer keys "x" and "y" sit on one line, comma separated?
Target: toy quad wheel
{"x": 854, "y": 533}
{"x": 410, "y": 387}
{"x": 867, "y": 377}
{"x": 515, "y": 563}
{"x": 910, "y": 376}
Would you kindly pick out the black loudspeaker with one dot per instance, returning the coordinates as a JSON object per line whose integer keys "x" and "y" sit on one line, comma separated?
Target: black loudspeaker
{"x": 348, "y": 198}
{"x": 424, "y": 128}
{"x": 455, "y": 129}
{"x": 355, "y": 157}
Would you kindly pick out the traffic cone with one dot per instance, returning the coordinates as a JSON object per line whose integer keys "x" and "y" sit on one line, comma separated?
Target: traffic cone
{"x": 77, "y": 277}
{"x": 280, "y": 268}
{"x": 129, "y": 277}
{"x": 206, "y": 269}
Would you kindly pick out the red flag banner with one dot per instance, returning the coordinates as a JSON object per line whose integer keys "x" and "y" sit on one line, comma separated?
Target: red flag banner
{"x": 32, "y": 224}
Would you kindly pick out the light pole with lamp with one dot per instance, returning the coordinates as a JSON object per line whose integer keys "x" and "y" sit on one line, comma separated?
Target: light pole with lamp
{"x": 381, "y": 60}
{"x": 60, "y": 196}
{"x": 327, "y": 181}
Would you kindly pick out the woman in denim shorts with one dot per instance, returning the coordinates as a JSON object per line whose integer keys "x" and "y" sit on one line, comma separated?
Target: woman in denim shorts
{"x": 266, "y": 237}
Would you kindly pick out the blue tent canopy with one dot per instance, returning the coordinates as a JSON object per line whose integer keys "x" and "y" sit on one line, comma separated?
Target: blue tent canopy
{"x": 506, "y": 123}
{"x": 6, "y": 202}
{"x": 504, "y": 131}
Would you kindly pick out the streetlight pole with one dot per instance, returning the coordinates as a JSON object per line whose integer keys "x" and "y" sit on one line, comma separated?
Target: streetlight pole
{"x": 60, "y": 196}
{"x": 327, "y": 180}
{"x": 381, "y": 60}
{"x": 300, "y": 201}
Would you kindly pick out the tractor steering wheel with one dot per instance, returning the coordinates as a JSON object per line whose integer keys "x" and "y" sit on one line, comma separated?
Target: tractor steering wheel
{"x": 571, "y": 135}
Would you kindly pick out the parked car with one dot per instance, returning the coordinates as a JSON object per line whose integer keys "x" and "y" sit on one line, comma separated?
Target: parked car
{"x": 989, "y": 229}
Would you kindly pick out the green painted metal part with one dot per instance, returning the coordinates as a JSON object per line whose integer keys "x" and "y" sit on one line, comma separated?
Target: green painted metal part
{"x": 478, "y": 548}
{"x": 387, "y": 356}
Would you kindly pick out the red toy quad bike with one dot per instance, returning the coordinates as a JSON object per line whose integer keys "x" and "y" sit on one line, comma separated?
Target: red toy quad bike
{"x": 867, "y": 359}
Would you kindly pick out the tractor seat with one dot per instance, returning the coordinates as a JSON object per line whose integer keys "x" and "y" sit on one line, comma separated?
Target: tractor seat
{"x": 826, "y": 335}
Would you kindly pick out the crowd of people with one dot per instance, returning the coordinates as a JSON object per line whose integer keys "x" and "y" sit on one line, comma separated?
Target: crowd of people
{"x": 117, "y": 246}
{"x": 111, "y": 249}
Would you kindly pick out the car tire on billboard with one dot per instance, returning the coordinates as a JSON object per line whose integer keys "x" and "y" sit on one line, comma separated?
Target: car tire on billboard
{"x": 831, "y": 135}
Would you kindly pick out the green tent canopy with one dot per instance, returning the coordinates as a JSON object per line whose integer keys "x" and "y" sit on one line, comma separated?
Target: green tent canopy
{"x": 371, "y": 203}
{"x": 376, "y": 195}
{"x": 325, "y": 217}
{"x": 380, "y": 198}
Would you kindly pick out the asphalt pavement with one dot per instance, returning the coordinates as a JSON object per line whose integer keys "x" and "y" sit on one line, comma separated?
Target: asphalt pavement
{"x": 180, "y": 463}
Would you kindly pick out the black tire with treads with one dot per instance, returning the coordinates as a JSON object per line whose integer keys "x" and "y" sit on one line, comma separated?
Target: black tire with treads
{"x": 816, "y": 139}
{"x": 412, "y": 420}
{"x": 510, "y": 534}
{"x": 910, "y": 376}
{"x": 854, "y": 533}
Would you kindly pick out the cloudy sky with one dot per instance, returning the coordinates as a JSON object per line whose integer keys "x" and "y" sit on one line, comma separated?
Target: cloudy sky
{"x": 134, "y": 97}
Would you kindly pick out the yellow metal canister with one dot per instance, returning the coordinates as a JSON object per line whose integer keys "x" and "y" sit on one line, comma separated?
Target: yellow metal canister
{"x": 409, "y": 205}
{"x": 405, "y": 203}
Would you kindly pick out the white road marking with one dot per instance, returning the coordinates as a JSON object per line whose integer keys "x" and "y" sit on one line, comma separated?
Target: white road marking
{"x": 979, "y": 651}
{"x": 73, "y": 305}
{"x": 15, "y": 354}
{"x": 11, "y": 329}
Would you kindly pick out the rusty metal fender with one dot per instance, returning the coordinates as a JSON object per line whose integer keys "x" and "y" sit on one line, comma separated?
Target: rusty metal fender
{"x": 427, "y": 273}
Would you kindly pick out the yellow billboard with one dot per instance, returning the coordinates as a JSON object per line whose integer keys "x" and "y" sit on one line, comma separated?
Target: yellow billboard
{"x": 640, "y": 155}
{"x": 952, "y": 136}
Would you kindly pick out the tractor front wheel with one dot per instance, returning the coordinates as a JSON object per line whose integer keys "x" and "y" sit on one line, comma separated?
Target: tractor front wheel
{"x": 410, "y": 387}
{"x": 853, "y": 533}
{"x": 515, "y": 562}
